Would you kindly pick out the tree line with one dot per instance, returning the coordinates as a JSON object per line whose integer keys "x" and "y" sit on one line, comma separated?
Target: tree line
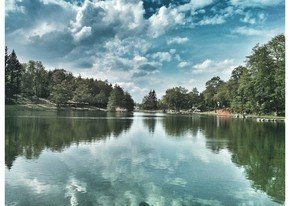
{"x": 256, "y": 88}
{"x": 32, "y": 80}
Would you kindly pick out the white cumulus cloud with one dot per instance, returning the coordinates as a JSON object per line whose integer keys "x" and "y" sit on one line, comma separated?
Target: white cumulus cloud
{"x": 216, "y": 19}
{"x": 177, "y": 40}
{"x": 256, "y": 3}
{"x": 183, "y": 64}
{"x": 162, "y": 56}
{"x": 164, "y": 19}
{"x": 209, "y": 65}
{"x": 249, "y": 31}
{"x": 85, "y": 32}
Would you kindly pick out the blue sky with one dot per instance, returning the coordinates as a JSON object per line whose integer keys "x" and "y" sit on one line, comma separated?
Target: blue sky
{"x": 142, "y": 45}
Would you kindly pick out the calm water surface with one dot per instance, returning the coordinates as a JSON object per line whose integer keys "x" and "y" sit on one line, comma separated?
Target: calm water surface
{"x": 97, "y": 158}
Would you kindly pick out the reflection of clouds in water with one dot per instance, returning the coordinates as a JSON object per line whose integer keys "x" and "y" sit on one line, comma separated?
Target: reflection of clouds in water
{"x": 35, "y": 185}
{"x": 133, "y": 161}
{"x": 138, "y": 167}
{"x": 181, "y": 157}
{"x": 246, "y": 196}
{"x": 176, "y": 181}
{"x": 159, "y": 163}
{"x": 129, "y": 165}
{"x": 73, "y": 187}
{"x": 154, "y": 196}
{"x": 201, "y": 152}
{"x": 207, "y": 202}
{"x": 118, "y": 165}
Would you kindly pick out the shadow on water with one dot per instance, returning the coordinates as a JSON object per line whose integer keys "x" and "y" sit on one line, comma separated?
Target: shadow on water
{"x": 259, "y": 148}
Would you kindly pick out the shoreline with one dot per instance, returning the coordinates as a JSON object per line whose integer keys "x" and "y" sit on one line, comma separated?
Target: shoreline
{"x": 262, "y": 118}
{"x": 53, "y": 107}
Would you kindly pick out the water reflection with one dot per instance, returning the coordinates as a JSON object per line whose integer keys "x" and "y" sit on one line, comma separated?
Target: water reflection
{"x": 258, "y": 148}
{"x": 30, "y": 135}
{"x": 177, "y": 126}
{"x": 150, "y": 123}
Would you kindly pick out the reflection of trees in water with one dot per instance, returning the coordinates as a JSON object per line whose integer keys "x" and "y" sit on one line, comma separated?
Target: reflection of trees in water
{"x": 177, "y": 126}
{"x": 150, "y": 122}
{"x": 258, "y": 147}
{"x": 29, "y": 136}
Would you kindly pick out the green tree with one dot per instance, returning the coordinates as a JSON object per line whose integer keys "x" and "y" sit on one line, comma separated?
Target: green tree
{"x": 128, "y": 102}
{"x": 222, "y": 96}
{"x": 161, "y": 104}
{"x": 101, "y": 99}
{"x": 244, "y": 102}
{"x": 112, "y": 103}
{"x": 150, "y": 101}
{"x": 35, "y": 80}
{"x": 233, "y": 86}
{"x": 61, "y": 93}
{"x": 176, "y": 98}
{"x": 41, "y": 81}
{"x": 105, "y": 86}
{"x": 115, "y": 98}
{"x": 7, "y": 75}
{"x": 13, "y": 72}
{"x": 262, "y": 69}
{"x": 210, "y": 91}
{"x": 82, "y": 93}
{"x": 195, "y": 99}
{"x": 276, "y": 49}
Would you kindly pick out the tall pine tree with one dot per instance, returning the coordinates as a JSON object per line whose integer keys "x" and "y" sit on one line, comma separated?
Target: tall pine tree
{"x": 13, "y": 72}
{"x": 150, "y": 101}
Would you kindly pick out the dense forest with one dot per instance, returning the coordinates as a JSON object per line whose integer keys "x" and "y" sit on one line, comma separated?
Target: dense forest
{"x": 257, "y": 88}
{"x": 31, "y": 80}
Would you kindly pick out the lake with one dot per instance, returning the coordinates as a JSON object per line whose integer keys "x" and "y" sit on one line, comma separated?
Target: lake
{"x": 99, "y": 158}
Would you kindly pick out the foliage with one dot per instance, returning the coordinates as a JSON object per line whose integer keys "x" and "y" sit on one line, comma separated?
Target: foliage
{"x": 13, "y": 74}
{"x": 115, "y": 98}
{"x": 34, "y": 80}
{"x": 31, "y": 80}
{"x": 120, "y": 99}
{"x": 258, "y": 88}
{"x": 150, "y": 101}
{"x": 61, "y": 93}
{"x": 176, "y": 98}
{"x": 211, "y": 91}
{"x": 128, "y": 102}
{"x": 82, "y": 93}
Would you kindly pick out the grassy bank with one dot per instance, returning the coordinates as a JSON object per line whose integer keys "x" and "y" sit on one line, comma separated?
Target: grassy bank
{"x": 44, "y": 107}
{"x": 23, "y": 103}
{"x": 43, "y": 104}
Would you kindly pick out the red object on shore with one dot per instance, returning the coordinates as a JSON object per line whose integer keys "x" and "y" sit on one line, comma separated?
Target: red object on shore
{"x": 223, "y": 113}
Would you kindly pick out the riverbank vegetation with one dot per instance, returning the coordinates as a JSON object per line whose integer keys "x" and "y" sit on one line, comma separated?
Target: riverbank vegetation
{"x": 257, "y": 88}
{"x": 33, "y": 82}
